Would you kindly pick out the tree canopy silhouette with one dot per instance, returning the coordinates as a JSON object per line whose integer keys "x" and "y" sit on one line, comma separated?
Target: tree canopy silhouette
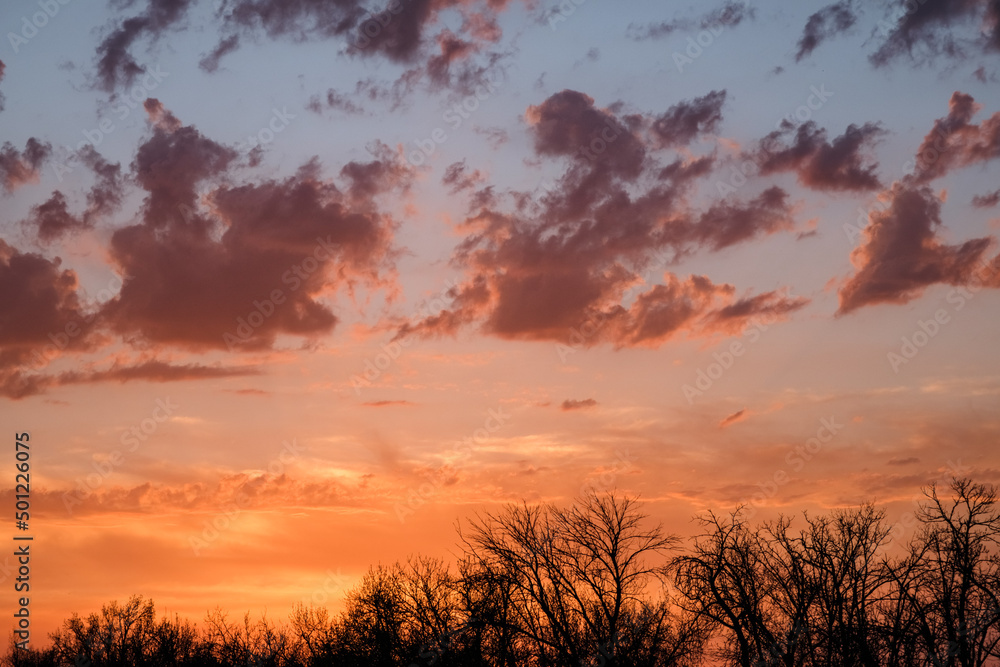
{"x": 595, "y": 583}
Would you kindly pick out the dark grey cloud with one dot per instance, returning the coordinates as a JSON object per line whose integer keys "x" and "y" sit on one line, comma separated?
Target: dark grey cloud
{"x": 931, "y": 29}
{"x": 821, "y": 164}
{"x": 729, "y": 15}
{"x": 18, "y": 168}
{"x": 828, "y": 22}
{"x": 684, "y": 121}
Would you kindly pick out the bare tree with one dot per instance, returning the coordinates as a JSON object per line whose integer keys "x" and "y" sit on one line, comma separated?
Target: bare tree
{"x": 949, "y": 581}
{"x": 841, "y": 579}
{"x": 433, "y": 613}
{"x": 126, "y": 634}
{"x": 115, "y": 636}
{"x": 577, "y": 576}
{"x": 725, "y": 580}
{"x": 778, "y": 596}
{"x": 372, "y": 625}
{"x": 316, "y": 634}
{"x": 594, "y": 585}
{"x": 260, "y": 643}
{"x": 489, "y": 603}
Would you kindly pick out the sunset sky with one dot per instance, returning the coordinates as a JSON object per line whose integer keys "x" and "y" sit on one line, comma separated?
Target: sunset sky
{"x": 333, "y": 275}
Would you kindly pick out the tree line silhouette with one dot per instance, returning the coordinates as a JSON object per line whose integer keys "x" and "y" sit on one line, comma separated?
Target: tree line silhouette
{"x": 594, "y": 584}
